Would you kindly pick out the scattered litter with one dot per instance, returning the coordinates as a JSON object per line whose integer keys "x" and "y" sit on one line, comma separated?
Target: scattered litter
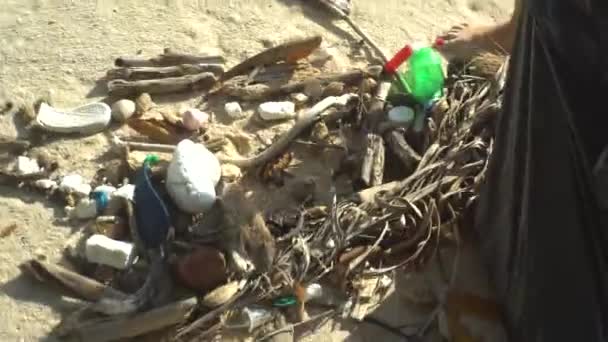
{"x": 100, "y": 249}
{"x": 401, "y": 114}
{"x": 192, "y": 176}
{"x": 87, "y": 119}
{"x": 234, "y": 110}
{"x": 299, "y": 99}
{"x": 74, "y": 184}
{"x": 277, "y": 110}
{"x": 45, "y": 184}
{"x": 249, "y": 318}
{"x": 85, "y": 209}
{"x": 26, "y": 166}
{"x": 122, "y": 110}
{"x": 126, "y": 191}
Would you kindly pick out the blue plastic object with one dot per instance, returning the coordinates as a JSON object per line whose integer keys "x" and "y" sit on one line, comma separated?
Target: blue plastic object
{"x": 151, "y": 214}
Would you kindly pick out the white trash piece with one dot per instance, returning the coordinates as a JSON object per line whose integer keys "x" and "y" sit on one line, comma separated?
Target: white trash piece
{"x": 102, "y": 250}
{"x": 45, "y": 184}
{"x": 401, "y": 114}
{"x": 126, "y": 191}
{"x": 85, "y": 209}
{"x": 26, "y": 166}
{"x": 277, "y": 110}
{"x": 75, "y": 184}
{"x": 194, "y": 119}
{"x": 234, "y": 110}
{"x": 192, "y": 176}
{"x": 90, "y": 118}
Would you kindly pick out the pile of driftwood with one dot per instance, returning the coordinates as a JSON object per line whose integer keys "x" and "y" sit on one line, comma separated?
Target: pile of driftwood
{"x": 341, "y": 254}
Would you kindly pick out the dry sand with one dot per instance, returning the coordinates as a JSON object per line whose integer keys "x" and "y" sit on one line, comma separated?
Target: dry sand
{"x": 59, "y": 48}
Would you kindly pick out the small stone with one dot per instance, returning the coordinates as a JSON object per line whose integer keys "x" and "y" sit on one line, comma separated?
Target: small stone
{"x": 194, "y": 119}
{"x": 277, "y": 110}
{"x": 313, "y": 89}
{"x": 202, "y": 270}
{"x": 26, "y": 166}
{"x": 299, "y": 98}
{"x": 144, "y": 103}
{"x": 319, "y": 132}
{"x": 401, "y": 114}
{"x": 230, "y": 173}
{"x": 234, "y": 110}
{"x": 122, "y": 110}
{"x": 333, "y": 89}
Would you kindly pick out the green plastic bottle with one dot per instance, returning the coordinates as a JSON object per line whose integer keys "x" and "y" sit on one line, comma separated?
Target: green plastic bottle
{"x": 423, "y": 78}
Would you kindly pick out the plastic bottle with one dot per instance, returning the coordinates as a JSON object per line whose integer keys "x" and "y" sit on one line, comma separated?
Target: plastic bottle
{"x": 424, "y": 77}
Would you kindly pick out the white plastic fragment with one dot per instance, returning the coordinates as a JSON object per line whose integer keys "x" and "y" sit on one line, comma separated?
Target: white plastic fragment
{"x": 75, "y": 184}
{"x": 299, "y": 98}
{"x": 102, "y": 250}
{"x": 90, "y": 118}
{"x": 26, "y": 166}
{"x": 234, "y": 110}
{"x": 277, "y": 110}
{"x": 45, "y": 184}
{"x": 85, "y": 209}
{"x": 401, "y": 114}
{"x": 192, "y": 176}
{"x": 126, "y": 191}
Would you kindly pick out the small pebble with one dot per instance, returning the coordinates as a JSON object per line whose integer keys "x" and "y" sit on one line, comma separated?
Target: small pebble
{"x": 45, "y": 184}
{"x": 313, "y": 89}
{"x": 75, "y": 184}
{"x": 333, "y": 89}
{"x": 122, "y": 110}
{"x": 85, "y": 209}
{"x": 234, "y": 110}
{"x": 230, "y": 173}
{"x": 299, "y": 98}
{"x": 277, "y": 110}
{"x": 401, "y": 114}
{"x": 194, "y": 119}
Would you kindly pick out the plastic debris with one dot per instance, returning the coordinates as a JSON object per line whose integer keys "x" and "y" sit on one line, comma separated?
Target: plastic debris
{"x": 122, "y": 110}
{"x": 401, "y": 114}
{"x": 151, "y": 214}
{"x": 75, "y": 184}
{"x": 277, "y": 110}
{"x": 102, "y": 250}
{"x": 26, "y": 166}
{"x": 90, "y": 118}
{"x": 250, "y": 318}
{"x": 194, "y": 119}
{"x": 299, "y": 98}
{"x": 192, "y": 176}
{"x": 234, "y": 110}
{"x": 126, "y": 191}
{"x": 85, "y": 209}
{"x": 45, "y": 184}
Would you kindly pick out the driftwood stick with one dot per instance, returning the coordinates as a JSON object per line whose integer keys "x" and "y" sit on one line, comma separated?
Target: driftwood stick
{"x": 406, "y": 154}
{"x": 290, "y": 52}
{"x": 196, "y": 82}
{"x": 150, "y": 73}
{"x": 262, "y": 91}
{"x": 306, "y": 120}
{"x": 83, "y": 287}
{"x": 126, "y": 326}
{"x": 372, "y": 169}
{"x": 168, "y": 58}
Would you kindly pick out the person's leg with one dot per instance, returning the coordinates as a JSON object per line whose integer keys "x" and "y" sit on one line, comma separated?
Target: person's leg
{"x": 464, "y": 40}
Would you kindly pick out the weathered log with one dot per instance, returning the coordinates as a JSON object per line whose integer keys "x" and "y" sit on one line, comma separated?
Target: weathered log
{"x": 202, "y": 81}
{"x": 81, "y": 286}
{"x": 128, "y": 326}
{"x": 168, "y": 58}
{"x": 150, "y": 73}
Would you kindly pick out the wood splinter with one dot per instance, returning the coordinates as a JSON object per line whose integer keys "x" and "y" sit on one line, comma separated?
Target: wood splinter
{"x": 150, "y": 73}
{"x": 202, "y": 81}
{"x": 168, "y": 58}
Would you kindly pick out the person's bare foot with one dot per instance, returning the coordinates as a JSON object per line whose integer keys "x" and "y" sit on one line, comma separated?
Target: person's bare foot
{"x": 464, "y": 40}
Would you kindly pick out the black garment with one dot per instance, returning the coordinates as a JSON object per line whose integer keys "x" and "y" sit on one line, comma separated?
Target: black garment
{"x": 538, "y": 221}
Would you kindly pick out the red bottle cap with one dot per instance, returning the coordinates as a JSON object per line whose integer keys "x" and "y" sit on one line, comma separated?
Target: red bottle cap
{"x": 393, "y": 64}
{"x": 439, "y": 42}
